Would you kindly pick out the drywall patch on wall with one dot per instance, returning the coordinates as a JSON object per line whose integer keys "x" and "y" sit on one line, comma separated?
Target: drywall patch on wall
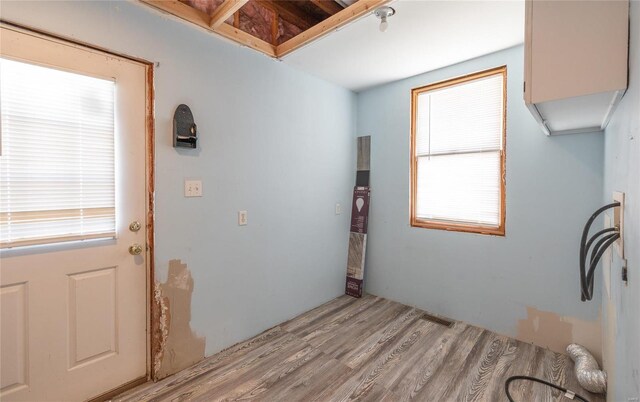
{"x": 555, "y": 332}
{"x": 177, "y": 346}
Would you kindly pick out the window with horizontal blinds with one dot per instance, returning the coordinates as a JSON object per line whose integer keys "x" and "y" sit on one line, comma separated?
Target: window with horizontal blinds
{"x": 57, "y": 167}
{"x": 458, "y": 156}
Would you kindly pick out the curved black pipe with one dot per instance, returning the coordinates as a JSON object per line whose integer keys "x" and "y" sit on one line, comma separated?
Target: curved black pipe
{"x": 599, "y": 244}
{"x": 584, "y": 291}
{"x": 594, "y": 262}
{"x": 603, "y": 231}
{"x": 583, "y": 252}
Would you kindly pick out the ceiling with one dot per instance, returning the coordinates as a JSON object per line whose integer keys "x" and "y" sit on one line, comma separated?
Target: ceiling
{"x": 422, "y": 36}
{"x": 273, "y": 21}
{"x": 273, "y": 27}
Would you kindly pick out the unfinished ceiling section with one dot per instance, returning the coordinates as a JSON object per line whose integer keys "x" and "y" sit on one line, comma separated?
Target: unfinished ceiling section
{"x": 273, "y": 27}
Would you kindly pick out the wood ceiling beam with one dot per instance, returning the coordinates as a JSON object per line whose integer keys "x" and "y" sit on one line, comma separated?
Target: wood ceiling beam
{"x": 349, "y": 14}
{"x": 288, "y": 11}
{"x": 328, "y": 6}
{"x": 240, "y": 36}
{"x": 187, "y": 13}
{"x": 224, "y": 11}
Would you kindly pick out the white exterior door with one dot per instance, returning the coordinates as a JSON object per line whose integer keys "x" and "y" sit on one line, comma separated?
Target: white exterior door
{"x": 73, "y": 297}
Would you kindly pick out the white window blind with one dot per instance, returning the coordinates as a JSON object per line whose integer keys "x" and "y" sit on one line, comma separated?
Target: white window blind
{"x": 458, "y": 149}
{"x": 57, "y": 167}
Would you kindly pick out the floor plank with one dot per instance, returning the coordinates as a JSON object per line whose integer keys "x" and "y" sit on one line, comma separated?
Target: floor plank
{"x": 368, "y": 349}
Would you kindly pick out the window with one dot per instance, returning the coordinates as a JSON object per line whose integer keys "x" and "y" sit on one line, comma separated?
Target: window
{"x": 57, "y": 178}
{"x": 458, "y": 153}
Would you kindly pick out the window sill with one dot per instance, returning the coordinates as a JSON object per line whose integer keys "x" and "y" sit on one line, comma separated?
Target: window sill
{"x": 458, "y": 227}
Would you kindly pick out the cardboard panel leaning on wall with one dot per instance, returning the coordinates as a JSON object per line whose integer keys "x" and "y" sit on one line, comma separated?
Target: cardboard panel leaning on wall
{"x": 524, "y": 285}
{"x": 359, "y": 219}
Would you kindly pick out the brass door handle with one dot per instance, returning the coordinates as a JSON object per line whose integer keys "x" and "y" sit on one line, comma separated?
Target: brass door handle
{"x": 135, "y": 249}
{"x": 134, "y": 226}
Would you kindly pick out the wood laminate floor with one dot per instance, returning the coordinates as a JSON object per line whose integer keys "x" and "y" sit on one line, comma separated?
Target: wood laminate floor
{"x": 368, "y": 349}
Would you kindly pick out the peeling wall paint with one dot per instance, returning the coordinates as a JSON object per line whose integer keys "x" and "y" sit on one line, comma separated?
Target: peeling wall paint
{"x": 160, "y": 329}
{"x": 555, "y": 332}
{"x": 177, "y": 345}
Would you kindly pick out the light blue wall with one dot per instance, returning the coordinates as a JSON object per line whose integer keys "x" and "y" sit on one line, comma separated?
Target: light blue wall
{"x": 622, "y": 173}
{"x": 279, "y": 143}
{"x": 553, "y": 185}
{"x": 274, "y": 141}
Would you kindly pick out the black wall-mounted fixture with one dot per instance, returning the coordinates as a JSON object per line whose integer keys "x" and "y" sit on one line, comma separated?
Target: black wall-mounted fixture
{"x": 185, "y": 133}
{"x": 610, "y": 236}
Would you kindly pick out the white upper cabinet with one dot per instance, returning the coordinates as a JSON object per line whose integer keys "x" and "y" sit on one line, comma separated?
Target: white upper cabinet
{"x": 575, "y": 62}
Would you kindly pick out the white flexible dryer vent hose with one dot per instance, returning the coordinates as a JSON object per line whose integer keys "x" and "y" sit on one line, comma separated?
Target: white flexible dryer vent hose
{"x": 588, "y": 373}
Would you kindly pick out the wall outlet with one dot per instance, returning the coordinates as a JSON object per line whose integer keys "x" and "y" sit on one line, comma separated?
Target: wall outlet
{"x": 338, "y": 209}
{"x": 193, "y": 188}
{"x": 242, "y": 218}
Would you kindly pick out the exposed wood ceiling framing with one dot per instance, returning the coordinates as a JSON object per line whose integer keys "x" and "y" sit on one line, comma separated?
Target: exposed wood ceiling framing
{"x": 273, "y": 27}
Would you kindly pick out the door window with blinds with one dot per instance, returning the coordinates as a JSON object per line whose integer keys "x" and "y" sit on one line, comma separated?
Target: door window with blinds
{"x": 458, "y": 153}
{"x": 57, "y": 167}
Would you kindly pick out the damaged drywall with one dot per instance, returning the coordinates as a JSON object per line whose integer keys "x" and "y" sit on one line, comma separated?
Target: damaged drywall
{"x": 555, "y": 332}
{"x": 176, "y": 345}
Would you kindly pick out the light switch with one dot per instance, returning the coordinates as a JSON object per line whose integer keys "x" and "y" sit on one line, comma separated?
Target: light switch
{"x": 242, "y": 218}
{"x": 338, "y": 209}
{"x": 193, "y": 188}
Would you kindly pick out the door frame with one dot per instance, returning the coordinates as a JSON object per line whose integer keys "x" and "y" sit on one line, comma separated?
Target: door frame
{"x": 149, "y": 66}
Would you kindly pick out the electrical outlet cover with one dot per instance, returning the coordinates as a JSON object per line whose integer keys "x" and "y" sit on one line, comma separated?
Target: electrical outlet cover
{"x": 242, "y": 218}
{"x": 193, "y": 188}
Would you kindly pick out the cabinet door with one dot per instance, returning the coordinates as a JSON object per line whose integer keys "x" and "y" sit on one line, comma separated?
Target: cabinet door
{"x": 575, "y": 48}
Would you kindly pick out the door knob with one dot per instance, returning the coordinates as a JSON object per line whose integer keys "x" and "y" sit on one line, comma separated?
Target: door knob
{"x": 135, "y": 226}
{"x": 135, "y": 249}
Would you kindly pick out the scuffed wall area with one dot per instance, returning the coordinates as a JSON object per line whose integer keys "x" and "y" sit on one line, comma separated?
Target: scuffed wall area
{"x": 523, "y": 285}
{"x": 179, "y": 346}
{"x": 272, "y": 140}
{"x": 553, "y": 331}
{"x": 621, "y": 306}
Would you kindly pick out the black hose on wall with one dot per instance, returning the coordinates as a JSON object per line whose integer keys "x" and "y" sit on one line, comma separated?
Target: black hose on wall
{"x": 587, "y": 277}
